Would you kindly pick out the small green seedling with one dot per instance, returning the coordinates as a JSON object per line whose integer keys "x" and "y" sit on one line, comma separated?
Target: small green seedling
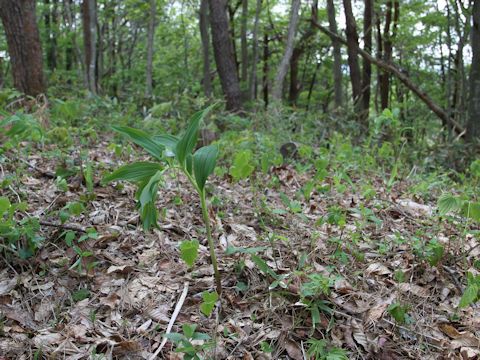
{"x": 177, "y": 153}
{"x": 185, "y": 341}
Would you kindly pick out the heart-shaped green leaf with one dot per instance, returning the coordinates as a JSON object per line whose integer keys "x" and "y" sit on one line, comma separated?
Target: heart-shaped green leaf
{"x": 142, "y": 139}
{"x": 134, "y": 172}
{"x": 186, "y": 144}
{"x": 189, "y": 251}
{"x": 204, "y": 161}
{"x": 209, "y": 300}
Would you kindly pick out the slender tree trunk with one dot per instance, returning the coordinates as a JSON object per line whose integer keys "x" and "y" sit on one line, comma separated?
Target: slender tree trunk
{"x": 337, "y": 57}
{"x": 25, "y": 49}
{"x": 352, "y": 47}
{"x": 1, "y": 74}
{"x": 89, "y": 40}
{"x": 265, "y": 66}
{"x": 151, "y": 33}
{"x": 287, "y": 54}
{"x": 70, "y": 24}
{"x": 473, "y": 124}
{"x": 50, "y": 27}
{"x": 367, "y": 66}
{"x": 298, "y": 51}
{"x": 253, "y": 74}
{"x": 207, "y": 85}
{"x": 222, "y": 49}
{"x": 243, "y": 38}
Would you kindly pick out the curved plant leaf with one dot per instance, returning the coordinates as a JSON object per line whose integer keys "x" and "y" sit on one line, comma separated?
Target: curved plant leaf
{"x": 134, "y": 172}
{"x": 186, "y": 144}
{"x": 167, "y": 140}
{"x": 204, "y": 161}
{"x": 142, "y": 139}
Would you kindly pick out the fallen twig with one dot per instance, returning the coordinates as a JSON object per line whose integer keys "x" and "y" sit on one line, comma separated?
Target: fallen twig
{"x": 172, "y": 319}
{"x": 43, "y": 172}
{"x": 64, "y": 226}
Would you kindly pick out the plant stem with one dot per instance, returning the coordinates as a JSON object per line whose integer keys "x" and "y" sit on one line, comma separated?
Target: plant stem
{"x": 206, "y": 219}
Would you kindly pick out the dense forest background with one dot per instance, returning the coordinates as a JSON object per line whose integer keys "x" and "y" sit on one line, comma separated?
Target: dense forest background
{"x": 241, "y": 179}
{"x": 361, "y": 56}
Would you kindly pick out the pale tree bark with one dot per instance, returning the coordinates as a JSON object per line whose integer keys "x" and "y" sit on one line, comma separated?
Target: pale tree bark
{"x": 224, "y": 59}
{"x": 253, "y": 74}
{"x": 89, "y": 40}
{"x": 24, "y": 47}
{"x": 151, "y": 33}
{"x": 352, "y": 48}
{"x": 337, "y": 57}
{"x": 207, "y": 84}
{"x": 287, "y": 53}
{"x": 473, "y": 124}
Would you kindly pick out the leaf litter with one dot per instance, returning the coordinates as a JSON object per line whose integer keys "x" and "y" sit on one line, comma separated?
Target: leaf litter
{"x": 120, "y": 306}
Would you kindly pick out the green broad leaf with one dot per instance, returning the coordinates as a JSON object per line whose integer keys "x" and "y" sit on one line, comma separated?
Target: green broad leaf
{"x": 186, "y": 144}
{"x": 336, "y": 354}
{"x": 321, "y": 163}
{"x": 448, "y": 203}
{"x": 469, "y": 296}
{"x": 398, "y": 312}
{"x": 69, "y": 236}
{"x": 474, "y": 210}
{"x": 189, "y": 330}
{"x": 241, "y": 167}
{"x": 200, "y": 336}
{"x": 209, "y": 300}
{"x": 263, "y": 266}
{"x": 80, "y": 295}
{"x": 233, "y": 250}
{"x": 316, "y": 319}
{"x": 4, "y": 205}
{"x": 303, "y": 217}
{"x": 204, "y": 161}
{"x": 175, "y": 337}
{"x": 475, "y": 167}
{"x": 189, "y": 251}
{"x": 149, "y": 215}
{"x": 189, "y": 163}
{"x": 135, "y": 172}
{"x": 64, "y": 173}
{"x": 166, "y": 140}
{"x": 142, "y": 139}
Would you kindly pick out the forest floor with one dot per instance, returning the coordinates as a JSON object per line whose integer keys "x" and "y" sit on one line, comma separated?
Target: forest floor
{"x": 121, "y": 300}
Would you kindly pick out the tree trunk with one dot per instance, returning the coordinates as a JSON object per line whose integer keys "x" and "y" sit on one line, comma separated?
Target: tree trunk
{"x": 367, "y": 66}
{"x": 21, "y": 29}
{"x": 253, "y": 74}
{"x": 337, "y": 57}
{"x": 51, "y": 18}
{"x": 89, "y": 42}
{"x": 222, "y": 49}
{"x": 390, "y": 67}
{"x": 473, "y": 124}
{"x": 207, "y": 85}
{"x": 243, "y": 38}
{"x": 78, "y": 53}
{"x": 352, "y": 47}
{"x": 151, "y": 33}
{"x": 287, "y": 54}
{"x": 265, "y": 66}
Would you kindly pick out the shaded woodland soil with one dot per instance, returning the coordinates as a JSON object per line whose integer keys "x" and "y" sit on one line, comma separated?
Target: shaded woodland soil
{"x": 136, "y": 284}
